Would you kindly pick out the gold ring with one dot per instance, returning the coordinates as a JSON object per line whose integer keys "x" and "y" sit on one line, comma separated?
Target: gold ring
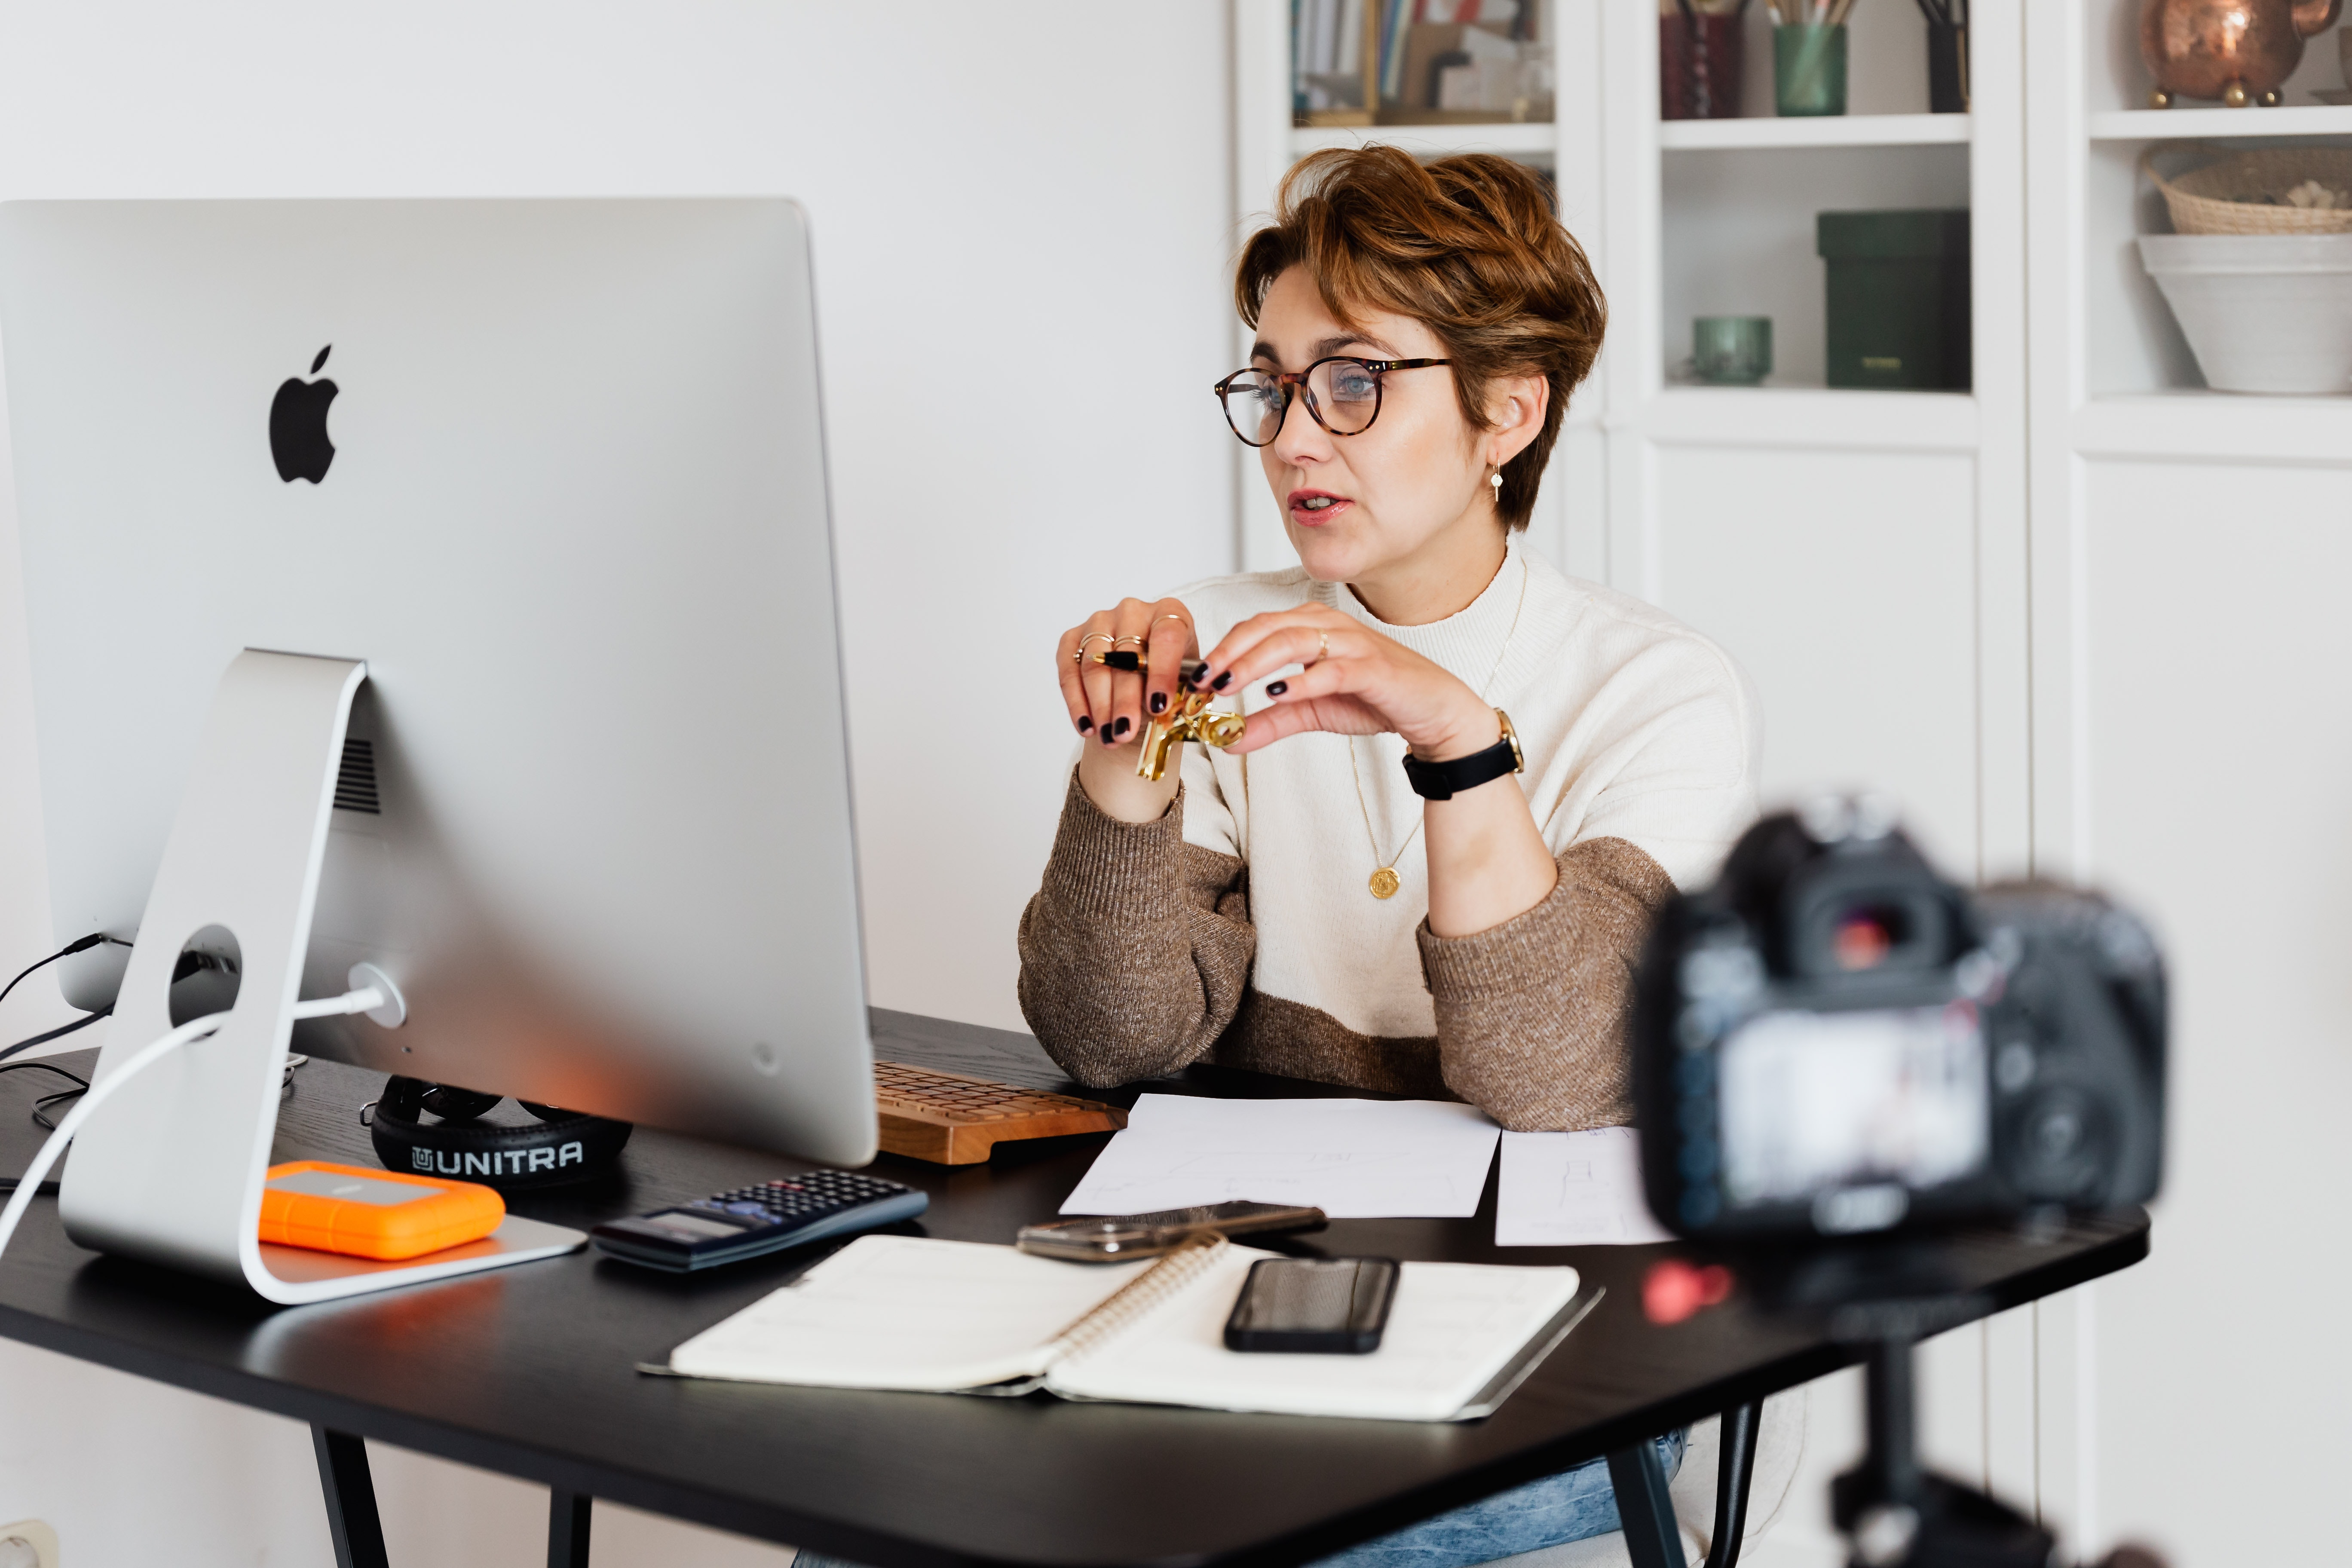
{"x": 1171, "y": 616}
{"x": 1078, "y": 655}
{"x": 1322, "y": 645}
{"x": 1137, "y": 641}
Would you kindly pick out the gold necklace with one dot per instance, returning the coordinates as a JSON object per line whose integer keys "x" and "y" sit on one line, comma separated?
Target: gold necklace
{"x": 1384, "y": 882}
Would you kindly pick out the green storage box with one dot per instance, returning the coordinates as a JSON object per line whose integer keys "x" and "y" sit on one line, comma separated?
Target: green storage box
{"x": 1898, "y": 299}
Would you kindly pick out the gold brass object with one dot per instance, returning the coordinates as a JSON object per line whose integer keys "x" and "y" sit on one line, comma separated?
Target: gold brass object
{"x": 2239, "y": 51}
{"x": 1191, "y": 719}
{"x": 1385, "y": 882}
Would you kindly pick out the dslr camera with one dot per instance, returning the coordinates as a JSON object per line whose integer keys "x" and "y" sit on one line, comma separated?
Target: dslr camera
{"x": 1834, "y": 1040}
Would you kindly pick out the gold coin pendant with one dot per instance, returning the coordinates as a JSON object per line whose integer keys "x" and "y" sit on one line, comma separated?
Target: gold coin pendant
{"x": 1385, "y": 882}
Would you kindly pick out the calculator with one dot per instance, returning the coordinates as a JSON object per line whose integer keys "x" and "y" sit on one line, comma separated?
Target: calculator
{"x": 768, "y": 1216}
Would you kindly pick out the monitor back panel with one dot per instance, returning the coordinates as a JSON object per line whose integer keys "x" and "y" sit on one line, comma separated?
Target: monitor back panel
{"x": 596, "y": 817}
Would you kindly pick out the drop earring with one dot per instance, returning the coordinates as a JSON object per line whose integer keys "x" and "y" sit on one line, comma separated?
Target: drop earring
{"x": 1495, "y": 479}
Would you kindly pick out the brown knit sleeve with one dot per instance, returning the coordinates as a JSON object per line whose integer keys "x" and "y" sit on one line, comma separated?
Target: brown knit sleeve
{"x": 1135, "y": 953}
{"x": 1531, "y": 1014}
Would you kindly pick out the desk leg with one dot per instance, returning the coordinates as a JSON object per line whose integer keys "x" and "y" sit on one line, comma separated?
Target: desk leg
{"x": 351, "y": 1518}
{"x": 1734, "y": 1471}
{"x": 567, "y": 1528}
{"x": 1652, "y": 1538}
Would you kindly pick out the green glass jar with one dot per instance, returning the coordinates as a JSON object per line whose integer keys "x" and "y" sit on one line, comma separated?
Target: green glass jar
{"x": 1808, "y": 69}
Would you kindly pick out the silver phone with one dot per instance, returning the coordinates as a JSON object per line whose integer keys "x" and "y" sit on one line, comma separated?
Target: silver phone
{"x": 1118, "y": 1239}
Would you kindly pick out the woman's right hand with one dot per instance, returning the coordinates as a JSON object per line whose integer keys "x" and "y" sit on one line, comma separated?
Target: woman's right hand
{"x": 1111, "y": 707}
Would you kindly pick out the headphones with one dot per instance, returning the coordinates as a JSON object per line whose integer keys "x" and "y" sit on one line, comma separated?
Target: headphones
{"x": 556, "y": 1146}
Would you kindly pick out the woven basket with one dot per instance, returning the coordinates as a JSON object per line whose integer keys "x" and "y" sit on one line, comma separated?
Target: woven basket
{"x": 2245, "y": 192}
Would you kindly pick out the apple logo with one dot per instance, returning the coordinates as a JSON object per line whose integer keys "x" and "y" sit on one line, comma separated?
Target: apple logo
{"x": 298, "y": 426}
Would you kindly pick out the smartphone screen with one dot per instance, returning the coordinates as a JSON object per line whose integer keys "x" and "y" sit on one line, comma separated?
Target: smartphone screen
{"x": 1326, "y": 1306}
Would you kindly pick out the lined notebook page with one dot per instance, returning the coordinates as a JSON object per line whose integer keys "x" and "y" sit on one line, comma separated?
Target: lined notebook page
{"x": 1453, "y": 1327}
{"x": 907, "y": 1312}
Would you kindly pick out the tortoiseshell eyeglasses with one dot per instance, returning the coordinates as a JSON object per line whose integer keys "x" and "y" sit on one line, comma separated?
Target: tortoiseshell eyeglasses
{"x": 1343, "y": 396}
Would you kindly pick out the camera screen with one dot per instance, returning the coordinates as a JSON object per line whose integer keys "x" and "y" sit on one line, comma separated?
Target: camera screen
{"x": 1812, "y": 1101}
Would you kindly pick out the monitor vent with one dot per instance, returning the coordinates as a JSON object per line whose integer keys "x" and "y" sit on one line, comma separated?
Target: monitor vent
{"x": 355, "y": 783}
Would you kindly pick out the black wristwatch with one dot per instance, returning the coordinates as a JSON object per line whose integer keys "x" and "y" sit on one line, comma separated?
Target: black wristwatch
{"x": 1443, "y": 781}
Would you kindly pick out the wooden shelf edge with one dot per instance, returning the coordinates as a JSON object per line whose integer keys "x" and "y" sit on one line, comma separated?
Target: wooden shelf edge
{"x": 2168, "y": 124}
{"x": 1826, "y": 131}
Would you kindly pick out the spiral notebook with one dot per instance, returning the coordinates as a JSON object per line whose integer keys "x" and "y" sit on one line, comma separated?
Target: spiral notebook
{"x": 920, "y": 1314}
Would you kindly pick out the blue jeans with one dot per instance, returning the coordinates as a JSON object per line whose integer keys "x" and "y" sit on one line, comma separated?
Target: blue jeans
{"x": 1570, "y": 1506}
{"x": 1552, "y": 1512}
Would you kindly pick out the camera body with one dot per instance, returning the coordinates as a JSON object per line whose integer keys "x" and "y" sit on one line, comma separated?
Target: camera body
{"x": 1833, "y": 1040}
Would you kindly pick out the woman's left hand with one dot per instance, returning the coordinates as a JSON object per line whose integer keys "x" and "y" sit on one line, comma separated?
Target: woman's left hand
{"x": 1356, "y": 682}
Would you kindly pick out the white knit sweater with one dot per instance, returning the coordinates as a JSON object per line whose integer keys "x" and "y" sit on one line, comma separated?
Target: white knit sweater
{"x": 1633, "y": 726}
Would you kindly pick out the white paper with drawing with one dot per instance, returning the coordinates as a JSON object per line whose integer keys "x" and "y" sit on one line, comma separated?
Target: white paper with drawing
{"x": 1573, "y": 1189}
{"x": 1353, "y": 1159}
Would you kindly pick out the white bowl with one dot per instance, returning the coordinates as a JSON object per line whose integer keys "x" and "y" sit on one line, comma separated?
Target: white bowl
{"x": 2264, "y": 312}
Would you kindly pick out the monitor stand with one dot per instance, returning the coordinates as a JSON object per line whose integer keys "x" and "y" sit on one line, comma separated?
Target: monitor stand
{"x": 170, "y": 1170}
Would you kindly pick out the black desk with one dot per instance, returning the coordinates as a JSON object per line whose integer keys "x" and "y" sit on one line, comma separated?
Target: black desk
{"x": 527, "y": 1370}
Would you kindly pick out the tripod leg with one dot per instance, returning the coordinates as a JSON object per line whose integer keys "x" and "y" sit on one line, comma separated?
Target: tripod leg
{"x": 1645, "y": 1509}
{"x": 1735, "y": 1471}
{"x": 567, "y": 1528}
{"x": 352, "y": 1519}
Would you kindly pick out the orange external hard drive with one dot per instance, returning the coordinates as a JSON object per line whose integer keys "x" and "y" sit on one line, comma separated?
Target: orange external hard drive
{"x": 373, "y": 1214}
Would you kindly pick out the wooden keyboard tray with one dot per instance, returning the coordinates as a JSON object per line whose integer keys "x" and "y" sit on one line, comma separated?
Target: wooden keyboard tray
{"x": 949, "y": 1119}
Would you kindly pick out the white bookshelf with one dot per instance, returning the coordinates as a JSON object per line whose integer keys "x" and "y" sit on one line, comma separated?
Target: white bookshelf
{"x": 1822, "y": 131}
{"x": 2210, "y": 124}
{"x": 1530, "y": 140}
{"x": 2114, "y": 370}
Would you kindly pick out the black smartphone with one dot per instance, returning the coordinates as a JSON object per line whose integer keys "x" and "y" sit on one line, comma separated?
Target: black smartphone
{"x": 1314, "y": 1306}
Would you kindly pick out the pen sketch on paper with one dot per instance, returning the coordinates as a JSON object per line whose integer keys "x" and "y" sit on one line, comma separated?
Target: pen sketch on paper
{"x": 1353, "y": 1159}
{"x": 1573, "y": 1189}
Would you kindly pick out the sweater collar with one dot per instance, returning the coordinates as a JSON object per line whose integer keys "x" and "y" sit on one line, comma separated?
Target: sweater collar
{"x": 1466, "y": 643}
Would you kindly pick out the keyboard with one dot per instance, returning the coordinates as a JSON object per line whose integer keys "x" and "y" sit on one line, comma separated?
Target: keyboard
{"x": 748, "y": 1222}
{"x": 949, "y": 1119}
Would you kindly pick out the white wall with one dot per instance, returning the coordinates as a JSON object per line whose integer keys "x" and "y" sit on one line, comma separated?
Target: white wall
{"x": 2218, "y": 795}
{"x": 1044, "y": 184}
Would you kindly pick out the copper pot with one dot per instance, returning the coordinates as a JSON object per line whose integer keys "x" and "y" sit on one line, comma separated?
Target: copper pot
{"x": 2236, "y": 51}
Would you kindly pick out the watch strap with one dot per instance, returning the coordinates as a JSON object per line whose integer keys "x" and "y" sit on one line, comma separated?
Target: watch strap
{"x": 1443, "y": 781}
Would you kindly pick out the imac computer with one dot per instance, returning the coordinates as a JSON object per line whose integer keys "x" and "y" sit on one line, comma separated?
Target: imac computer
{"x": 444, "y": 587}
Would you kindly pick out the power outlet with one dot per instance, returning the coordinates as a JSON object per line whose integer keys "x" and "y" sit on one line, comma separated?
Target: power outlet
{"x": 28, "y": 1543}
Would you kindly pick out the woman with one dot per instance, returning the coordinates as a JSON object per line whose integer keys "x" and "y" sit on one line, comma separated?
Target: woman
{"x": 1292, "y": 905}
{"x": 1300, "y": 904}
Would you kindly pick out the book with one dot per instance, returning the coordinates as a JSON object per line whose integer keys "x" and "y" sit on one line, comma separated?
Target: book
{"x": 916, "y": 1313}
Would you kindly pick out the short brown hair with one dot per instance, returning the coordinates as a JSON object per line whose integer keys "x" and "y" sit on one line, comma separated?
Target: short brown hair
{"x": 1466, "y": 243}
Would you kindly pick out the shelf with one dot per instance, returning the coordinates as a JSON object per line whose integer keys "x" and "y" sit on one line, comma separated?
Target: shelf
{"x": 1810, "y": 418}
{"x": 2166, "y": 124}
{"x": 2200, "y": 427}
{"x": 1503, "y": 136}
{"x": 1814, "y": 131}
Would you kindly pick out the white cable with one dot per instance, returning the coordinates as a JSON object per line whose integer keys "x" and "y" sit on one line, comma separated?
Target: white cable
{"x": 366, "y": 999}
{"x": 360, "y": 1001}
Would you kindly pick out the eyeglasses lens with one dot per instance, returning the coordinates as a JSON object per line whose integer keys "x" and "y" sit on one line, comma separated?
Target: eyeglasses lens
{"x": 1343, "y": 396}
{"x": 1253, "y": 406}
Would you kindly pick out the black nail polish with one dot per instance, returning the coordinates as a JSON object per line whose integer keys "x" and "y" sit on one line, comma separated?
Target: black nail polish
{"x": 1277, "y": 689}
{"x": 1085, "y": 723}
{"x": 1220, "y": 682}
{"x": 1110, "y": 735}
{"x": 1160, "y": 702}
{"x": 1123, "y": 726}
